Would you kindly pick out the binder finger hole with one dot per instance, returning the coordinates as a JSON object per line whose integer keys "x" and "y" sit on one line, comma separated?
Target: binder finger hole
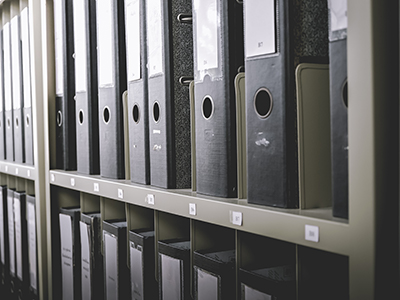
{"x": 263, "y": 103}
{"x": 81, "y": 117}
{"x": 8, "y": 123}
{"x": 17, "y": 122}
{"x": 106, "y": 115}
{"x": 135, "y": 113}
{"x": 156, "y": 112}
{"x": 345, "y": 94}
{"x": 207, "y": 107}
{"x": 28, "y": 120}
{"x": 59, "y": 118}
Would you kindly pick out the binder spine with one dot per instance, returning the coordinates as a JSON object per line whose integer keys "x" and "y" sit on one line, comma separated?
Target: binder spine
{"x": 28, "y": 135}
{"x": 32, "y": 246}
{"x": 4, "y": 254}
{"x": 2, "y": 103}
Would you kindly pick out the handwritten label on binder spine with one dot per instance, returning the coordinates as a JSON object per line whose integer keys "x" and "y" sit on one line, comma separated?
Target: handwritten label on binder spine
{"x": 7, "y": 66}
{"x": 155, "y": 37}
{"x": 2, "y": 256}
{"x": 132, "y": 31}
{"x": 26, "y": 58}
{"x": 18, "y": 236}
{"x": 105, "y": 42}
{"x": 32, "y": 244}
{"x": 11, "y": 236}
{"x": 66, "y": 256}
{"x": 86, "y": 263}
{"x": 80, "y": 46}
{"x": 58, "y": 46}
{"x": 111, "y": 265}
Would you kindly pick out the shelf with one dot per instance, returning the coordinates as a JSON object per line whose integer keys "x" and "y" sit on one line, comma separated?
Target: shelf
{"x": 284, "y": 224}
{"x": 18, "y": 170}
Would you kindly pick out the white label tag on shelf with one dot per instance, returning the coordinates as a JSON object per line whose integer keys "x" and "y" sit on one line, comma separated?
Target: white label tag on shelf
{"x": 120, "y": 194}
{"x": 52, "y": 177}
{"x": 96, "y": 187}
{"x": 312, "y": 233}
{"x": 192, "y": 209}
{"x": 236, "y": 218}
{"x": 6, "y": 168}
{"x": 16, "y": 171}
{"x": 150, "y": 199}
{"x": 72, "y": 181}
{"x": 28, "y": 173}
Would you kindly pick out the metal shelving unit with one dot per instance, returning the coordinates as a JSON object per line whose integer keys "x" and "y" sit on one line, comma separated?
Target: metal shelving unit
{"x": 365, "y": 239}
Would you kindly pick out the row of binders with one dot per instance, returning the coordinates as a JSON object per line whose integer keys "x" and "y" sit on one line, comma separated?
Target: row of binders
{"x": 18, "y": 249}
{"x": 154, "y": 49}
{"x": 16, "y": 135}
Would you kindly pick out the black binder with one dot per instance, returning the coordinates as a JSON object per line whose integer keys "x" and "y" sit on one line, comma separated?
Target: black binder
{"x": 2, "y": 119}
{"x": 218, "y": 42}
{"x": 11, "y": 243}
{"x": 91, "y": 257}
{"x": 277, "y": 282}
{"x": 141, "y": 246}
{"x": 8, "y": 111}
{"x": 65, "y": 86}
{"x": 112, "y": 84}
{"x": 215, "y": 275}
{"x": 70, "y": 252}
{"x": 27, "y": 91}
{"x": 32, "y": 247}
{"x": 135, "y": 30}
{"x": 17, "y": 92}
{"x": 338, "y": 93}
{"x": 4, "y": 249}
{"x": 87, "y": 117}
{"x": 116, "y": 273}
{"x": 170, "y": 70}
{"x": 174, "y": 269}
{"x": 21, "y": 244}
{"x": 278, "y": 36}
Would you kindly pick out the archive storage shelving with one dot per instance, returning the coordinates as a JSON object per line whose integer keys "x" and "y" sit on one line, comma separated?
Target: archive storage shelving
{"x": 31, "y": 178}
{"x": 369, "y": 239}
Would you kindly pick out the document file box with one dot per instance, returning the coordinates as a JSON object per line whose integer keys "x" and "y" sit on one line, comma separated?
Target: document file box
{"x": 26, "y": 83}
{"x": 338, "y": 91}
{"x": 11, "y": 243}
{"x": 218, "y": 57}
{"x": 21, "y": 245}
{"x": 2, "y": 119}
{"x": 70, "y": 253}
{"x": 143, "y": 283}
{"x": 17, "y": 92}
{"x": 86, "y": 109}
{"x": 32, "y": 247}
{"x": 91, "y": 257}
{"x": 65, "y": 85}
{"x": 135, "y": 31}
{"x": 111, "y": 65}
{"x": 268, "y": 283}
{"x": 215, "y": 276}
{"x": 278, "y": 36}
{"x": 174, "y": 269}
{"x": 116, "y": 274}
{"x": 170, "y": 64}
{"x": 4, "y": 249}
{"x": 8, "y": 110}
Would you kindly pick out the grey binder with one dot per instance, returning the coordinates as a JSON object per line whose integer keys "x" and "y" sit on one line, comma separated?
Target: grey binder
{"x": 11, "y": 240}
{"x": 8, "y": 110}
{"x": 170, "y": 65}
{"x": 2, "y": 119}
{"x": 4, "y": 250}
{"x": 65, "y": 86}
{"x": 32, "y": 246}
{"x": 27, "y": 88}
{"x": 135, "y": 31}
{"x": 278, "y": 36}
{"x": 112, "y": 84}
{"x": 218, "y": 41}
{"x": 86, "y": 110}
{"x": 338, "y": 93}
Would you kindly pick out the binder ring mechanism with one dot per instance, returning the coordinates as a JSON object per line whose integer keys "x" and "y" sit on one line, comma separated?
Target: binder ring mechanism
{"x": 59, "y": 118}
{"x": 186, "y": 80}
{"x": 185, "y": 18}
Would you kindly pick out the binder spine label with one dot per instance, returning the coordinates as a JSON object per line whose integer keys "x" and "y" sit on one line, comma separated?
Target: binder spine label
{"x": 133, "y": 39}
{"x": 250, "y": 293}
{"x": 105, "y": 38}
{"x": 260, "y": 28}
{"x": 136, "y": 272}
{"x": 58, "y": 46}
{"x": 1, "y": 79}
{"x": 80, "y": 40}
{"x": 66, "y": 256}
{"x": 154, "y": 37}
{"x": 32, "y": 244}
{"x": 11, "y": 236}
{"x": 171, "y": 277}
{"x": 26, "y": 59}
{"x": 86, "y": 262}
{"x": 111, "y": 265}
{"x": 2, "y": 236}
{"x": 337, "y": 19}
{"x": 18, "y": 236}
{"x": 15, "y": 60}
{"x": 207, "y": 23}
{"x": 7, "y": 67}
